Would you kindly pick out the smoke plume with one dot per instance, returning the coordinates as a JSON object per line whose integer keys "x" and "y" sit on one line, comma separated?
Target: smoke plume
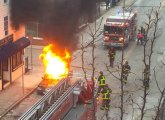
{"x": 58, "y": 19}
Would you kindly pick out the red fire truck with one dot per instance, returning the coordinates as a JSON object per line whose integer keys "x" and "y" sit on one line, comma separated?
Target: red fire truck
{"x": 119, "y": 29}
{"x": 69, "y": 99}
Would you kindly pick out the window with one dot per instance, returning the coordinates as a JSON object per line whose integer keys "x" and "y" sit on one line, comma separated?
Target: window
{"x": 5, "y": 65}
{"x": 5, "y": 1}
{"x": 0, "y": 71}
{"x": 14, "y": 61}
{"x": 17, "y": 60}
{"x": 113, "y": 29}
{"x": 6, "y": 25}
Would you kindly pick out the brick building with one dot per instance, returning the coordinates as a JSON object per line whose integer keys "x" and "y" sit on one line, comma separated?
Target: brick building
{"x": 12, "y": 44}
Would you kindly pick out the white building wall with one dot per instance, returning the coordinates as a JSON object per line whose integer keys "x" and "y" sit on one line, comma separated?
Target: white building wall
{"x": 5, "y": 11}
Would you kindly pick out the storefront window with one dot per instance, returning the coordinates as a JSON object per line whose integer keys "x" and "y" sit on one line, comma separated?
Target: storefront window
{"x": 14, "y": 61}
{"x": 6, "y": 26}
{"x": 0, "y": 71}
{"x": 17, "y": 60}
{"x": 5, "y": 65}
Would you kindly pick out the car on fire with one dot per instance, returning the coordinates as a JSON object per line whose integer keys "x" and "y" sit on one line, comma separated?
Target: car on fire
{"x": 45, "y": 85}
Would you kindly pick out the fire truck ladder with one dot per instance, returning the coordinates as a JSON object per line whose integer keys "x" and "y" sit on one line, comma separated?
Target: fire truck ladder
{"x": 50, "y": 102}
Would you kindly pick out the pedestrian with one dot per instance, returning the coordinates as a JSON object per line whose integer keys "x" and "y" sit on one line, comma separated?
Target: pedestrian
{"x": 106, "y": 99}
{"x": 112, "y": 54}
{"x": 140, "y": 37}
{"x": 146, "y": 74}
{"x": 125, "y": 71}
{"x": 113, "y": 2}
{"x": 107, "y": 2}
{"x": 101, "y": 81}
{"x": 142, "y": 30}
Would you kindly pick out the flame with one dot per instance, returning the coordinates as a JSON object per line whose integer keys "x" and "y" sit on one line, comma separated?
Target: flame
{"x": 56, "y": 67}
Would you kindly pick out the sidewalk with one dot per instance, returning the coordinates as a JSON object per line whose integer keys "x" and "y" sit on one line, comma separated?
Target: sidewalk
{"x": 24, "y": 85}
{"x": 30, "y": 80}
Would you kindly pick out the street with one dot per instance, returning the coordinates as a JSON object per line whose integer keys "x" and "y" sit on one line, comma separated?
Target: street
{"x": 133, "y": 90}
{"x": 134, "y": 55}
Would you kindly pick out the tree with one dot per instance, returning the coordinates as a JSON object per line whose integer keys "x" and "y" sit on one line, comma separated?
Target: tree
{"x": 94, "y": 34}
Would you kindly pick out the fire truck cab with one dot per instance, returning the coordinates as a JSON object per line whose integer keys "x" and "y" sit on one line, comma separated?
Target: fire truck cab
{"x": 119, "y": 29}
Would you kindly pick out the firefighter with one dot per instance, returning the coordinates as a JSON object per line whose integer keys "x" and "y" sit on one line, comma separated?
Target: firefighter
{"x": 112, "y": 54}
{"x": 106, "y": 98}
{"x": 146, "y": 74}
{"x": 125, "y": 71}
{"x": 101, "y": 81}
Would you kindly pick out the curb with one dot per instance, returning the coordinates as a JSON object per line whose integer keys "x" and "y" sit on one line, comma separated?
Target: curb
{"x": 17, "y": 103}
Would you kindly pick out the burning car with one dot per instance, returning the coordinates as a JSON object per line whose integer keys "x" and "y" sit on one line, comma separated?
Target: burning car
{"x": 45, "y": 85}
{"x": 56, "y": 68}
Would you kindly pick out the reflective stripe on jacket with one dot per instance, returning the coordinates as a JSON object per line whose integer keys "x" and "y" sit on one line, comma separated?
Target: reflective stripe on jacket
{"x": 102, "y": 80}
{"x": 106, "y": 95}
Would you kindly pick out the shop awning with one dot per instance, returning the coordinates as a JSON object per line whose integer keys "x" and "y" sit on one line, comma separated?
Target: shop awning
{"x": 12, "y": 48}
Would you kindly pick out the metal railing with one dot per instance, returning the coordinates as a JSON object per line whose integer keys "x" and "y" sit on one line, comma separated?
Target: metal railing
{"x": 44, "y": 104}
{"x": 47, "y": 115}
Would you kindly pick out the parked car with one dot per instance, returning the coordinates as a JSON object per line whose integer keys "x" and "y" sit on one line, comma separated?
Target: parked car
{"x": 45, "y": 85}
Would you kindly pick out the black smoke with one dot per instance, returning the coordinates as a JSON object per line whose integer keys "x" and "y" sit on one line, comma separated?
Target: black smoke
{"x": 58, "y": 18}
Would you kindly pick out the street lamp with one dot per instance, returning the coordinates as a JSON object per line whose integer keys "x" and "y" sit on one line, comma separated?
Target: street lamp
{"x": 22, "y": 73}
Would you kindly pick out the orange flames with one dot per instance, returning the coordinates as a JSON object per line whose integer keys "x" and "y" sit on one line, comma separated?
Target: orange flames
{"x": 56, "y": 67}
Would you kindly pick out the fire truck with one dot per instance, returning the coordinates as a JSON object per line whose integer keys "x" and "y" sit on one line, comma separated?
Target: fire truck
{"x": 65, "y": 101}
{"x": 119, "y": 29}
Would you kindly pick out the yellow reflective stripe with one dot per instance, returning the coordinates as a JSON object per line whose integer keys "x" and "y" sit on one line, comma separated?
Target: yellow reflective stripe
{"x": 102, "y": 81}
{"x": 105, "y": 97}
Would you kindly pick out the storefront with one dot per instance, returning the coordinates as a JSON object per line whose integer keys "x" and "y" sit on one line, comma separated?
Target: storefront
{"x": 11, "y": 59}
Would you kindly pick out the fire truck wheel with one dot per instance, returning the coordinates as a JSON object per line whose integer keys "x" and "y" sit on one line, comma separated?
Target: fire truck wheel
{"x": 105, "y": 47}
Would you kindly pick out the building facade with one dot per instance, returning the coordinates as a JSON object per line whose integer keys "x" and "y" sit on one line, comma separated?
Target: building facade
{"x": 12, "y": 44}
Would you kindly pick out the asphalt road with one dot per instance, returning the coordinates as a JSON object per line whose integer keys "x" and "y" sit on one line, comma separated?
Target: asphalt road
{"x": 134, "y": 55}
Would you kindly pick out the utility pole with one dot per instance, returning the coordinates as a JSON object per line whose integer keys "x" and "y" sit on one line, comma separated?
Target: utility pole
{"x": 23, "y": 86}
{"x": 123, "y": 4}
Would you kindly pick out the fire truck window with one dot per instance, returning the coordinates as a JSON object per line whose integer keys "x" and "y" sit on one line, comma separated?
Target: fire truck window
{"x": 114, "y": 29}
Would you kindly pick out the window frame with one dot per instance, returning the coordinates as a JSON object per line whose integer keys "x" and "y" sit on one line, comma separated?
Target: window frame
{"x": 17, "y": 60}
{"x": 6, "y": 65}
{"x": 6, "y": 25}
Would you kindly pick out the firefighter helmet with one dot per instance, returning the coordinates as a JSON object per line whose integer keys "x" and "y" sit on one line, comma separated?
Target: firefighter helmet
{"x": 126, "y": 62}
